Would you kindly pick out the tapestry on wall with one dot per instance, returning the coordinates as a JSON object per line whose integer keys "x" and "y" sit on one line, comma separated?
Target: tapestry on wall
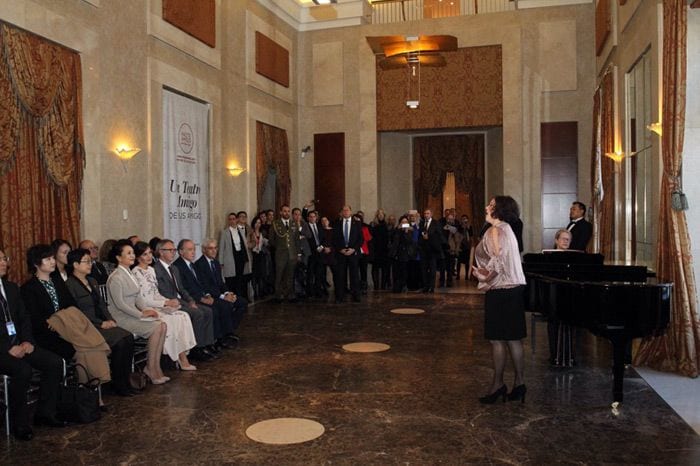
{"x": 185, "y": 167}
{"x": 195, "y": 17}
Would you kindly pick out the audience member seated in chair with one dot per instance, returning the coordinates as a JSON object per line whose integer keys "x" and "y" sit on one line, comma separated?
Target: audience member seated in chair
{"x": 225, "y": 319}
{"x": 43, "y": 295}
{"x": 61, "y": 248}
{"x": 170, "y": 286}
{"x": 130, "y": 312}
{"x": 210, "y": 276}
{"x": 84, "y": 290}
{"x": 97, "y": 271}
{"x": 180, "y": 336}
{"x": 19, "y": 354}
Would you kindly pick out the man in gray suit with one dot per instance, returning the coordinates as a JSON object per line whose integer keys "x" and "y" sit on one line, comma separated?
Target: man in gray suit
{"x": 170, "y": 286}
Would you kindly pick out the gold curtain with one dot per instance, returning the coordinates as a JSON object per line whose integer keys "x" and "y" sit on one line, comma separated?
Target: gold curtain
{"x": 603, "y": 168}
{"x": 41, "y": 143}
{"x": 272, "y": 152}
{"x": 434, "y": 156}
{"x": 679, "y": 349}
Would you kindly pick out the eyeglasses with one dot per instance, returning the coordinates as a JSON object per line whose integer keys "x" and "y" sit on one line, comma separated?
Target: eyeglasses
{"x": 168, "y": 249}
{"x": 86, "y": 261}
{"x": 5, "y": 259}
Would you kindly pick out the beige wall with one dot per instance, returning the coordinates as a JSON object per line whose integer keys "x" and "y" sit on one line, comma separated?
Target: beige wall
{"x": 129, "y": 53}
{"x": 539, "y": 84}
{"x": 396, "y": 173}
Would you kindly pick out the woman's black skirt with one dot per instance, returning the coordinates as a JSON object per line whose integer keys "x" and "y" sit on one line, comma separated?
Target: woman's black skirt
{"x": 504, "y": 314}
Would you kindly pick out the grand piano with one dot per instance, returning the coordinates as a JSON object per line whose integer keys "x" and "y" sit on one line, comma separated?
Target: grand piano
{"x": 618, "y": 302}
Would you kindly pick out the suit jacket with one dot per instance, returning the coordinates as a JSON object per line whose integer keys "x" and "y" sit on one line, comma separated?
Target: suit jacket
{"x": 286, "y": 242}
{"x": 166, "y": 287}
{"x": 90, "y": 303}
{"x": 18, "y": 315}
{"x": 355, "y": 236}
{"x": 226, "y": 253}
{"x": 581, "y": 234}
{"x": 432, "y": 245}
{"x": 190, "y": 281}
{"x": 99, "y": 273}
{"x": 38, "y": 303}
{"x": 212, "y": 281}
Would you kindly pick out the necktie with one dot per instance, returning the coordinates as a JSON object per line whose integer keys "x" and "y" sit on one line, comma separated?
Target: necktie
{"x": 192, "y": 270}
{"x": 313, "y": 229}
{"x": 213, "y": 269}
{"x": 172, "y": 277}
{"x": 3, "y": 301}
{"x": 286, "y": 224}
{"x": 346, "y": 232}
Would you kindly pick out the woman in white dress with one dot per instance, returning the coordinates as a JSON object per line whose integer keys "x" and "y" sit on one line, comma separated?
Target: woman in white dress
{"x": 180, "y": 335}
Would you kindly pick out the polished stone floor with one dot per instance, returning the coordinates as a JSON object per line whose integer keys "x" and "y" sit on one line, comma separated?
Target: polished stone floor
{"x": 414, "y": 404}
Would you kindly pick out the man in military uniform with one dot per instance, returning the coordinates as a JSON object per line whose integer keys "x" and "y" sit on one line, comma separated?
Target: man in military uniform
{"x": 284, "y": 237}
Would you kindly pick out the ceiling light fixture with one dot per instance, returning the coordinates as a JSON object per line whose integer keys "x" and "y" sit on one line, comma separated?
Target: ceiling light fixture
{"x": 324, "y": 2}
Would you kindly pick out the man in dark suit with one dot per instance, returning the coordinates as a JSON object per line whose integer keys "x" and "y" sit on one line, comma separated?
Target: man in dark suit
{"x": 580, "y": 228}
{"x": 284, "y": 238}
{"x": 315, "y": 270}
{"x": 170, "y": 285}
{"x": 430, "y": 245}
{"x": 209, "y": 273}
{"x": 223, "y": 314}
{"x": 347, "y": 241}
{"x": 98, "y": 271}
{"x": 19, "y": 355}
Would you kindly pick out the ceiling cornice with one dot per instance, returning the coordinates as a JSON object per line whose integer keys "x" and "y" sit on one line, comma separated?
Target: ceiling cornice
{"x": 308, "y": 17}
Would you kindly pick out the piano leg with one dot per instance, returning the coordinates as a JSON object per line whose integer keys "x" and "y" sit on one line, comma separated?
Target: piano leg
{"x": 620, "y": 342}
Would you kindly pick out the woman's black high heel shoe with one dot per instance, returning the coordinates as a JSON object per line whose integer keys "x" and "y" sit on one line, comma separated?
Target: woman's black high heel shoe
{"x": 518, "y": 393}
{"x": 491, "y": 399}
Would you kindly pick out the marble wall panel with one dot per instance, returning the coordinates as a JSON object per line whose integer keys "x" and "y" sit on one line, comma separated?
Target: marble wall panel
{"x": 327, "y": 84}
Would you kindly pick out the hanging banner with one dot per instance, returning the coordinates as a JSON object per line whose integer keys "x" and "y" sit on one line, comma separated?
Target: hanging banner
{"x": 185, "y": 167}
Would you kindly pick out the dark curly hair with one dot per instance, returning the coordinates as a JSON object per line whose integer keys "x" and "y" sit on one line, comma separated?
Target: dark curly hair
{"x": 76, "y": 255}
{"x": 117, "y": 249}
{"x": 36, "y": 254}
{"x": 505, "y": 209}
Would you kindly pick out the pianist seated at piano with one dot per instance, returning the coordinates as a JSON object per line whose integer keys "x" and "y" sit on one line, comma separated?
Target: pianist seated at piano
{"x": 500, "y": 274}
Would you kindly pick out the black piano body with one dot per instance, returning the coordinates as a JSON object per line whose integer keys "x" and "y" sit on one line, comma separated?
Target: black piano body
{"x": 618, "y": 302}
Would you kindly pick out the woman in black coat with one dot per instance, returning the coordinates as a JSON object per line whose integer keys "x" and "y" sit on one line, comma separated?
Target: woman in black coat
{"x": 44, "y": 295}
{"x": 399, "y": 251}
{"x": 85, "y": 291}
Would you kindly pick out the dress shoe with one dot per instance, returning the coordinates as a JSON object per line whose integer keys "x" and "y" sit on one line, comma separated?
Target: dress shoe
{"x": 491, "y": 399}
{"x": 222, "y": 343}
{"x": 23, "y": 433}
{"x": 125, "y": 392}
{"x": 233, "y": 337}
{"x": 209, "y": 354}
{"x": 52, "y": 421}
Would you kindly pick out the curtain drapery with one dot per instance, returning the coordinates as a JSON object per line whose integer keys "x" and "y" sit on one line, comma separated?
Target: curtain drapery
{"x": 435, "y": 156}
{"x": 272, "y": 153}
{"x": 604, "y": 206}
{"x": 41, "y": 143}
{"x": 678, "y": 350}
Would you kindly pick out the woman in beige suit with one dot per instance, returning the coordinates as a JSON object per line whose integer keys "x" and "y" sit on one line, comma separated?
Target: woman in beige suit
{"x": 128, "y": 309}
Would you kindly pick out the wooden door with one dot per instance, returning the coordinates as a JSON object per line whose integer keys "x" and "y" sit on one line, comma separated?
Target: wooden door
{"x": 329, "y": 173}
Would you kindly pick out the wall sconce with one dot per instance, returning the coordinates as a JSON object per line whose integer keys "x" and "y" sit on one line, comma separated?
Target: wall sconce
{"x": 655, "y": 128}
{"x": 305, "y": 151}
{"x": 412, "y": 104}
{"x": 235, "y": 171}
{"x": 617, "y": 156}
{"x": 126, "y": 153}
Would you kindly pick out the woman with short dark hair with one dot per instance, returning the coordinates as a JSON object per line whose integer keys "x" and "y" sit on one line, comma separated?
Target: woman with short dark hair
{"x": 130, "y": 312}
{"x": 43, "y": 295}
{"x": 85, "y": 291}
{"x": 61, "y": 248}
{"x": 500, "y": 274}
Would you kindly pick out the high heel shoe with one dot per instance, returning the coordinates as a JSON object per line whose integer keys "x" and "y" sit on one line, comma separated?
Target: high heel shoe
{"x": 155, "y": 381}
{"x": 179, "y": 366}
{"x": 491, "y": 399}
{"x": 518, "y": 393}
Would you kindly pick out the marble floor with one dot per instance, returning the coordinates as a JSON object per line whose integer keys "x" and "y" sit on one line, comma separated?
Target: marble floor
{"x": 415, "y": 404}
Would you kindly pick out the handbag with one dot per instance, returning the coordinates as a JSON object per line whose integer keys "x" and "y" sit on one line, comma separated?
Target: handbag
{"x": 79, "y": 402}
{"x": 137, "y": 379}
